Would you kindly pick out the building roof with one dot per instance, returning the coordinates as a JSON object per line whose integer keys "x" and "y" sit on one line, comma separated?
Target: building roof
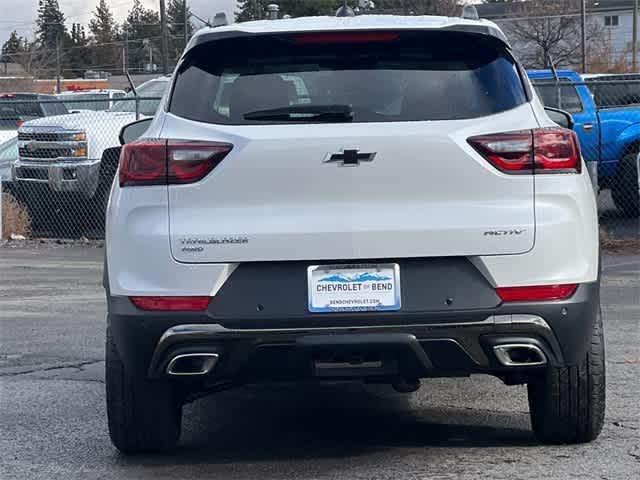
{"x": 512, "y": 9}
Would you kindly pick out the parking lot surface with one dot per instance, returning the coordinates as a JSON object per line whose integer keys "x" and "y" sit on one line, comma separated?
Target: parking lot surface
{"x": 53, "y": 424}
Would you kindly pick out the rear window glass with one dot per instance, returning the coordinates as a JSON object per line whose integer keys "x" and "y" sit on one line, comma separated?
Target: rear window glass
{"x": 564, "y": 97}
{"x": 151, "y": 91}
{"x": 19, "y": 109}
{"x": 414, "y": 76}
{"x": 86, "y": 101}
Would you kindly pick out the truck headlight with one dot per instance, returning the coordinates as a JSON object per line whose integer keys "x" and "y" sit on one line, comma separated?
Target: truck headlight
{"x": 79, "y": 152}
{"x": 79, "y": 137}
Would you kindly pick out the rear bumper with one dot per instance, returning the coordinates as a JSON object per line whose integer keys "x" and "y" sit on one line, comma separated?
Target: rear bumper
{"x": 415, "y": 345}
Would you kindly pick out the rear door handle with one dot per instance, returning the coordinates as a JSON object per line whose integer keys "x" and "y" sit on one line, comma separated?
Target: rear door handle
{"x": 587, "y": 127}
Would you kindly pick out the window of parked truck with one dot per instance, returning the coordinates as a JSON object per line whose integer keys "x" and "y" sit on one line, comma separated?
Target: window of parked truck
{"x": 408, "y": 76}
{"x": 564, "y": 97}
{"x": 152, "y": 91}
{"x": 86, "y": 101}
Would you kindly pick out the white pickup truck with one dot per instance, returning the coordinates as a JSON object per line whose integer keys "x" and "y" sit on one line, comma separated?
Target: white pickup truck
{"x": 65, "y": 155}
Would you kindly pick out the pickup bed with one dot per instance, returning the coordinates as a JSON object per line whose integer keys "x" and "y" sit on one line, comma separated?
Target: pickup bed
{"x": 609, "y": 136}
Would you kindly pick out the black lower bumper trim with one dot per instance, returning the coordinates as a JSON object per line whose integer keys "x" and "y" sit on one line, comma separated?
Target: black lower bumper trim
{"x": 451, "y": 341}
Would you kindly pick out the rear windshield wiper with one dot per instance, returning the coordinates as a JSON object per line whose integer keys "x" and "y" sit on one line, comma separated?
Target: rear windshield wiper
{"x": 304, "y": 113}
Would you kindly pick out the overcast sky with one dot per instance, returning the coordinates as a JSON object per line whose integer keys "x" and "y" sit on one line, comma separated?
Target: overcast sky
{"x": 20, "y": 14}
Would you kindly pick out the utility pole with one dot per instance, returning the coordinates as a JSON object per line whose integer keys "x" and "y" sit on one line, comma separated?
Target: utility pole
{"x": 583, "y": 16}
{"x": 125, "y": 57}
{"x": 164, "y": 45}
{"x": 634, "y": 45}
{"x": 186, "y": 25}
{"x": 58, "y": 63}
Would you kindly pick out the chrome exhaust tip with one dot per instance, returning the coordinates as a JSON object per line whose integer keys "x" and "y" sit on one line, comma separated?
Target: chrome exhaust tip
{"x": 520, "y": 355}
{"x": 187, "y": 364}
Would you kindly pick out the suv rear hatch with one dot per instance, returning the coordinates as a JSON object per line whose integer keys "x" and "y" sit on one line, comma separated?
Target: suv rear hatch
{"x": 349, "y": 145}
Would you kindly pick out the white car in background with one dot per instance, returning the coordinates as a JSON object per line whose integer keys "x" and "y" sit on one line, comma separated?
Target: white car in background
{"x": 8, "y": 156}
{"x": 95, "y": 100}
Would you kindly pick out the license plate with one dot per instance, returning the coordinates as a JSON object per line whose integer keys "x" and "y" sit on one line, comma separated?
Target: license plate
{"x": 363, "y": 288}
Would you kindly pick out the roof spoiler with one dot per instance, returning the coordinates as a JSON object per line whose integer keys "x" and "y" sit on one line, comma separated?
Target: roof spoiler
{"x": 481, "y": 28}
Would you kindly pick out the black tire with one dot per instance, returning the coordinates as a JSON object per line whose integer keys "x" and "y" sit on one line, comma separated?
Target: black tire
{"x": 144, "y": 415}
{"x": 625, "y": 190}
{"x": 567, "y": 404}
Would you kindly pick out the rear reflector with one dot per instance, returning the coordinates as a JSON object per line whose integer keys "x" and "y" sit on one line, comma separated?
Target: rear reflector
{"x": 346, "y": 37}
{"x": 536, "y": 293}
{"x": 543, "y": 150}
{"x": 166, "y": 162}
{"x": 171, "y": 304}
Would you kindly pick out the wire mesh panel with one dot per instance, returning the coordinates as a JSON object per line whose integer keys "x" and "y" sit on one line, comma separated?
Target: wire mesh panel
{"x": 58, "y": 162}
{"x": 606, "y": 112}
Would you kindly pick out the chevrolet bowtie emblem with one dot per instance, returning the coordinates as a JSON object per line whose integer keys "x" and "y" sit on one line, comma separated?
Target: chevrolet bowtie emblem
{"x": 349, "y": 157}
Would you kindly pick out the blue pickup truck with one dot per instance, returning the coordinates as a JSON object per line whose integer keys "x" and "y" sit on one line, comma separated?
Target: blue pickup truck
{"x": 608, "y": 134}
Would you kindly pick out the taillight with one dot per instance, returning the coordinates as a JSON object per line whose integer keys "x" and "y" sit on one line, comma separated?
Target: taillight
{"x": 170, "y": 304}
{"x": 556, "y": 150}
{"x": 536, "y": 293}
{"x": 510, "y": 152}
{"x": 191, "y": 161}
{"x": 143, "y": 162}
{"x": 543, "y": 150}
{"x": 164, "y": 162}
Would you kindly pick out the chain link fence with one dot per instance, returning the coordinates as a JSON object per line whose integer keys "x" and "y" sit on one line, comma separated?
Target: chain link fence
{"x": 57, "y": 170}
{"x": 606, "y": 113}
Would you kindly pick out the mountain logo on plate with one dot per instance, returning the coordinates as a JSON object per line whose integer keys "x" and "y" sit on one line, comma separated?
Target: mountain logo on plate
{"x": 360, "y": 277}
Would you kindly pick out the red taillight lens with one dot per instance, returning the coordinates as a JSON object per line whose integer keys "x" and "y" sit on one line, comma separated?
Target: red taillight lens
{"x": 143, "y": 162}
{"x": 510, "y": 152}
{"x": 556, "y": 150}
{"x": 536, "y": 293}
{"x": 544, "y": 150}
{"x": 162, "y": 162}
{"x": 345, "y": 37}
{"x": 191, "y": 161}
{"x": 171, "y": 304}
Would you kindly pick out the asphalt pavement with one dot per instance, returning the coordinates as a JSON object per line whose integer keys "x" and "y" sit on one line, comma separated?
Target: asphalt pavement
{"x": 52, "y": 407}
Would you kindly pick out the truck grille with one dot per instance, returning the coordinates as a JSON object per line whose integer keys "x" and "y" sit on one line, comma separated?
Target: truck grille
{"x": 45, "y": 153}
{"x": 41, "y": 136}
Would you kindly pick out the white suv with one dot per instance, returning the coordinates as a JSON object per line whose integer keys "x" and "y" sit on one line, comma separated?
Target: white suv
{"x": 374, "y": 198}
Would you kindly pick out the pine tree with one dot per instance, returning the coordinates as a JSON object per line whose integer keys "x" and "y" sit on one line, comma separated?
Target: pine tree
{"x": 142, "y": 29}
{"x": 12, "y": 48}
{"x": 102, "y": 26}
{"x": 50, "y": 26}
{"x": 105, "y": 54}
{"x": 175, "y": 21}
{"x": 77, "y": 56}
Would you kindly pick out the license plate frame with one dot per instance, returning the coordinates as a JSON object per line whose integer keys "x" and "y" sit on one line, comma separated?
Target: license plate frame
{"x": 366, "y": 298}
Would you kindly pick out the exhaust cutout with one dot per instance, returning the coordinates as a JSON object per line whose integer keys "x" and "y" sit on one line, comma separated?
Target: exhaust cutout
{"x": 520, "y": 355}
{"x": 192, "y": 364}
